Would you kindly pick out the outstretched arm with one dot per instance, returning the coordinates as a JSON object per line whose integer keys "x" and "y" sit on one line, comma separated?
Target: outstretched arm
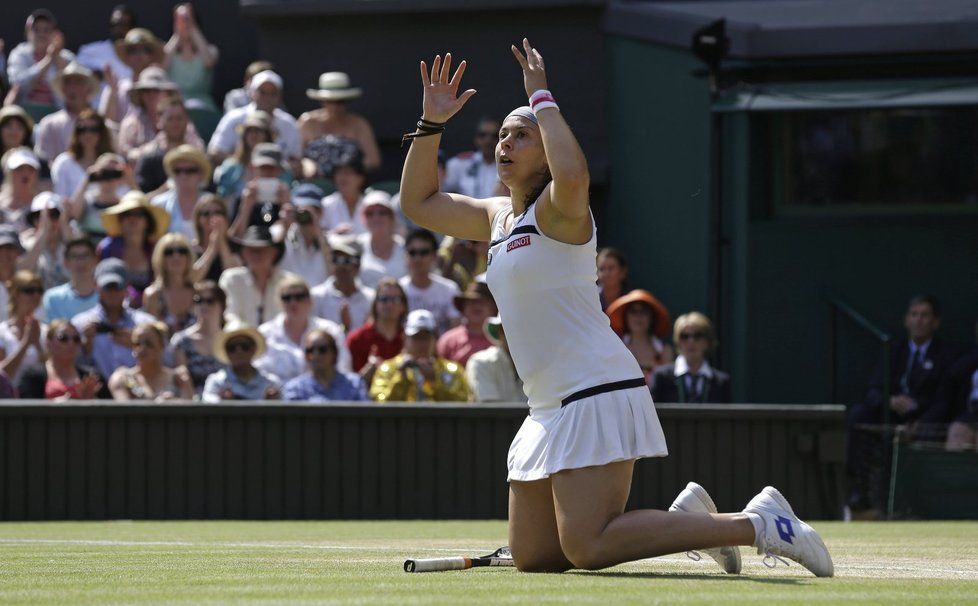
{"x": 421, "y": 200}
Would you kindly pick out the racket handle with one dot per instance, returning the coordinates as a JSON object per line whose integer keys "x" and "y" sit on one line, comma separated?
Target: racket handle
{"x": 437, "y": 564}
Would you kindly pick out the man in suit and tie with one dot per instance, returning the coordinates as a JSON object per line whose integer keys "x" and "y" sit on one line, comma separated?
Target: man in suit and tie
{"x": 691, "y": 379}
{"x": 918, "y": 362}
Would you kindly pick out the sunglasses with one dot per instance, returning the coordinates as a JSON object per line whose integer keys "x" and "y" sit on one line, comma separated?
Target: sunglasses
{"x": 134, "y": 215}
{"x": 419, "y": 252}
{"x": 345, "y": 260}
{"x": 186, "y": 171}
{"x": 199, "y": 300}
{"x": 112, "y": 286}
{"x": 242, "y": 346}
{"x": 686, "y": 336}
{"x": 87, "y": 129}
{"x": 32, "y": 290}
{"x": 212, "y": 213}
{"x": 143, "y": 343}
{"x": 295, "y": 296}
{"x": 169, "y": 252}
{"x": 388, "y": 299}
{"x": 138, "y": 50}
{"x": 66, "y": 338}
{"x": 320, "y": 349}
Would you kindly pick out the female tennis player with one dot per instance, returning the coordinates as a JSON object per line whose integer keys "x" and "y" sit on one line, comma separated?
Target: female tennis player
{"x": 591, "y": 413}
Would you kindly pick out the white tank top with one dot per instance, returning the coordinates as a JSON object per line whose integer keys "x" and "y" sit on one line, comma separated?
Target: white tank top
{"x": 547, "y": 293}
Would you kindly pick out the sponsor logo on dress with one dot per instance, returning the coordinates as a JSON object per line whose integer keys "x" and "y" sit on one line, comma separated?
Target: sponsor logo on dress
{"x": 518, "y": 243}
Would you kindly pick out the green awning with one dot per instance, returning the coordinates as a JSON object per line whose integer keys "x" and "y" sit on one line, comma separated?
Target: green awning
{"x": 795, "y": 96}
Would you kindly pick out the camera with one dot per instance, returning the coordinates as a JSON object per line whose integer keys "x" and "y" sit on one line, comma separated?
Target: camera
{"x": 303, "y": 217}
{"x": 106, "y": 174}
{"x": 104, "y": 327}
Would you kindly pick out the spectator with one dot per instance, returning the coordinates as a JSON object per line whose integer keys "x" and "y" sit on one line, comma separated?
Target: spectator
{"x": 173, "y": 130}
{"x": 342, "y": 298}
{"x": 89, "y": 140}
{"x": 958, "y": 394}
{"x": 139, "y": 49}
{"x": 476, "y": 306}
{"x": 332, "y": 132}
{"x": 323, "y": 382}
{"x": 193, "y": 348}
{"x": 171, "y": 295}
{"x": 642, "y": 322}
{"x": 190, "y": 59}
{"x": 252, "y": 290}
{"x": 382, "y": 337}
{"x": 49, "y": 231}
{"x": 237, "y": 346}
{"x": 490, "y": 373}
{"x": 16, "y": 129}
{"x": 60, "y": 377}
{"x": 240, "y": 97}
{"x": 107, "y": 327}
{"x": 101, "y": 56}
{"x": 149, "y": 379}
{"x": 105, "y": 183}
{"x": 691, "y": 379}
{"x": 383, "y": 248}
{"x": 189, "y": 170}
{"x": 306, "y": 249}
{"x": 142, "y": 122}
{"x": 918, "y": 363}
{"x": 417, "y": 374}
{"x": 473, "y": 173}
{"x": 211, "y": 245}
{"x": 79, "y": 293}
{"x": 132, "y": 228}
{"x": 34, "y": 64}
{"x": 342, "y": 208}
{"x": 20, "y": 171}
{"x": 12, "y": 258}
{"x": 425, "y": 289}
{"x": 266, "y": 94}
{"x": 462, "y": 261}
{"x": 612, "y": 272}
{"x": 22, "y": 335}
{"x": 263, "y": 197}
{"x": 76, "y": 85}
{"x": 237, "y": 170}
{"x": 284, "y": 333}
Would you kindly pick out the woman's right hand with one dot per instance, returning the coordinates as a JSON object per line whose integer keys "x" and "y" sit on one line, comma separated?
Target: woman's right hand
{"x": 441, "y": 98}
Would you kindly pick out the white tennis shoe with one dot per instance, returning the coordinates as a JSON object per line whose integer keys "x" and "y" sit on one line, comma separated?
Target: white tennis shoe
{"x": 785, "y": 535}
{"x": 695, "y": 499}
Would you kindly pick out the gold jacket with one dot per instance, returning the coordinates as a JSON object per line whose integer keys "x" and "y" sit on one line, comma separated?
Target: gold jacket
{"x": 391, "y": 384}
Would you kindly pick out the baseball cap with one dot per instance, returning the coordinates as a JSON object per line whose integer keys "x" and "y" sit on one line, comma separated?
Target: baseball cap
{"x": 348, "y": 245}
{"x": 377, "y": 197}
{"x": 22, "y": 156}
{"x": 111, "y": 271}
{"x": 307, "y": 194}
{"x": 264, "y": 78}
{"x": 46, "y": 200}
{"x": 10, "y": 237}
{"x": 419, "y": 320}
{"x": 266, "y": 154}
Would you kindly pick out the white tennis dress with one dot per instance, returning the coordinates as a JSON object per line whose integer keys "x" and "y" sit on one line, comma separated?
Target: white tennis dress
{"x": 589, "y": 404}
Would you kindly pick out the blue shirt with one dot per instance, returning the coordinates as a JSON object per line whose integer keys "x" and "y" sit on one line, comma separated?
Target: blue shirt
{"x": 345, "y": 386}
{"x": 63, "y": 302}
{"x": 107, "y": 355}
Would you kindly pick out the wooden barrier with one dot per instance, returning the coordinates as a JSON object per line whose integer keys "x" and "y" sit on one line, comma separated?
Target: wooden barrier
{"x": 349, "y": 461}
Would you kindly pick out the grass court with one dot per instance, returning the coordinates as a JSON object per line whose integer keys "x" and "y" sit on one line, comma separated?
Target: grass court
{"x": 360, "y": 563}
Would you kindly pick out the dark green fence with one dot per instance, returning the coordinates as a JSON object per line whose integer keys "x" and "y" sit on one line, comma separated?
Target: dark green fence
{"x": 260, "y": 461}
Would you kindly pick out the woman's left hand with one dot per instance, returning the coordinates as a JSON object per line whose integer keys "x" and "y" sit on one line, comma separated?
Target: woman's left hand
{"x": 534, "y": 74}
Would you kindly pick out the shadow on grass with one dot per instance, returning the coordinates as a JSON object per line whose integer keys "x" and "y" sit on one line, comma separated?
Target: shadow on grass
{"x": 688, "y": 576}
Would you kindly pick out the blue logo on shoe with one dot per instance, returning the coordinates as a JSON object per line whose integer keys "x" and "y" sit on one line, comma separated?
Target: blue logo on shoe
{"x": 785, "y": 531}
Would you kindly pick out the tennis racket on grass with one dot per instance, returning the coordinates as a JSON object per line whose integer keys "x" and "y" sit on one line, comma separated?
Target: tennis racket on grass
{"x": 500, "y": 557}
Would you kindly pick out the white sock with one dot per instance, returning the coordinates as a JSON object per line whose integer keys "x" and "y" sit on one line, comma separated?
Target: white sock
{"x": 758, "y": 526}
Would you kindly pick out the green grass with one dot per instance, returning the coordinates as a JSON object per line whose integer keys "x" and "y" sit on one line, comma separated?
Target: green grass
{"x": 360, "y": 563}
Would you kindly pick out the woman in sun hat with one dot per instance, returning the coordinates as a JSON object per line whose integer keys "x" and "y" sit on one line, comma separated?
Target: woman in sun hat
{"x": 236, "y": 170}
{"x": 327, "y": 131}
{"x": 591, "y": 412}
{"x": 237, "y": 347}
{"x": 642, "y": 322}
{"x": 142, "y": 123}
{"x": 190, "y": 171}
{"x": 132, "y": 228}
{"x": 139, "y": 49}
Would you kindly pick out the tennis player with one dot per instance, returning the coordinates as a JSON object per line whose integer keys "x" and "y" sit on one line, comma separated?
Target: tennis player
{"x": 591, "y": 413}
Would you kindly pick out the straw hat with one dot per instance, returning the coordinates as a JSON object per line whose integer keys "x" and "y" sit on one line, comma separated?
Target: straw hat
{"x": 188, "y": 153}
{"x": 16, "y": 111}
{"x": 258, "y": 119}
{"x": 259, "y": 236}
{"x": 135, "y": 200}
{"x": 77, "y": 70}
{"x": 140, "y": 36}
{"x": 661, "y": 320}
{"x": 333, "y": 86}
{"x": 475, "y": 291}
{"x": 151, "y": 78}
{"x": 235, "y": 329}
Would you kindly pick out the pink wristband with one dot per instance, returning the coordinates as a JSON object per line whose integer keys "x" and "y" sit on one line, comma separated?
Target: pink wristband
{"x": 542, "y": 99}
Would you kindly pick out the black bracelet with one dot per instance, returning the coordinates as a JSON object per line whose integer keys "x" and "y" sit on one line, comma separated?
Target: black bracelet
{"x": 424, "y": 128}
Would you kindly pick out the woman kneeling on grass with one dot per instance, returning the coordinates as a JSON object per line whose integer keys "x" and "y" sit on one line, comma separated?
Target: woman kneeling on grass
{"x": 591, "y": 414}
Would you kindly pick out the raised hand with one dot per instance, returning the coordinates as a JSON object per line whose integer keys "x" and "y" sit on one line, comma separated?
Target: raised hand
{"x": 534, "y": 74}
{"x": 441, "y": 98}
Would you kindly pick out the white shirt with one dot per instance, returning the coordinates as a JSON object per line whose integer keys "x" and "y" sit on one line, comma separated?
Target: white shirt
{"x": 244, "y": 301}
{"x": 96, "y": 55}
{"x": 22, "y": 68}
{"x": 225, "y": 138}
{"x": 469, "y": 174}
{"x": 302, "y": 259}
{"x": 53, "y": 133}
{"x": 336, "y": 213}
{"x": 373, "y": 268}
{"x": 10, "y": 342}
{"x": 438, "y": 298}
{"x": 274, "y": 333}
{"x": 327, "y": 302}
{"x": 66, "y": 175}
{"x": 492, "y": 377}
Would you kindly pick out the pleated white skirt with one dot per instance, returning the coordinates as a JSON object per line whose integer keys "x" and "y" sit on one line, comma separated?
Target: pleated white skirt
{"x": 609, "y": 427}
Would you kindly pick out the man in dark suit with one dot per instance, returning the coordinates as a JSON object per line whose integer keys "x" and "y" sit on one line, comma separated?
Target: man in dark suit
{"x": 691, "y": 379}
{"x": 918, "y": 363}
